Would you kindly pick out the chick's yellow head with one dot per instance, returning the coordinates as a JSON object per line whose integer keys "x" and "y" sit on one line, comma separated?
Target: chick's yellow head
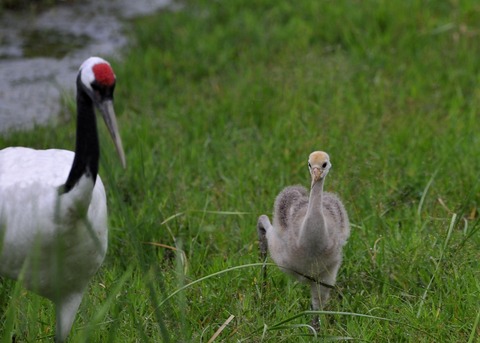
{"x": 319, "y": 165}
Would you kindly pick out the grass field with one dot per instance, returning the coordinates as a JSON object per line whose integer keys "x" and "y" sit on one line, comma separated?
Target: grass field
{"x": 219, "y": 105}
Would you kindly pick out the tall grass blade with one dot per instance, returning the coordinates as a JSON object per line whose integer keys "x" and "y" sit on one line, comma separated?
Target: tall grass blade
{"x": 101, "y": 312}
{"x": 221, "y": 328}
{"x": 424, "y": 193}
{"x": 209, "y": 277}
{"x": 9, "y": 318}
{"x": 349, "y": 314}
{"x": 437, "y": 268}
{"x": 473, "y": 333}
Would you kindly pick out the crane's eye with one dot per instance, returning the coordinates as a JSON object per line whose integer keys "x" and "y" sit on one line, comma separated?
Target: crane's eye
{"x": 309, "y": 165}
{"x": 324, "y": 165}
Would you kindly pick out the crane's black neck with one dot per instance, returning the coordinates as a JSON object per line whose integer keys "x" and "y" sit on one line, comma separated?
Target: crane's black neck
{"x": 87, "y": 150}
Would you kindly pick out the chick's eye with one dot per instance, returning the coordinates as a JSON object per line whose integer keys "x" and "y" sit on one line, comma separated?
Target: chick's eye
{"x": 324, "y": 165}
{"x": 309, "y": 165}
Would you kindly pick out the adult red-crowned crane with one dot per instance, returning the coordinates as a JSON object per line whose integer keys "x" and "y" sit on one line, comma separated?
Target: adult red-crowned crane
{"x": 53, "y": 209}
{"x": 308, "y": 232}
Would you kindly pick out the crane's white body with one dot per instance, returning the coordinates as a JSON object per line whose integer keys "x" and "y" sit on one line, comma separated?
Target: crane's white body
{"x": 46, "y": 235}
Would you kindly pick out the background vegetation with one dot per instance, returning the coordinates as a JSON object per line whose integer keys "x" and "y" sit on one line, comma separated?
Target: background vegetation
{"x": 220, "y": 104}
{"x": 33, "y": 5}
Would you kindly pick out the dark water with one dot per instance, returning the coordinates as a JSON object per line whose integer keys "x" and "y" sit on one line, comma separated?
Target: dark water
{"x": 40, "y": 54}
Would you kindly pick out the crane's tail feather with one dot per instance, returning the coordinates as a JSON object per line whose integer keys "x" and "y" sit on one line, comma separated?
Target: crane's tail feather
{"x": 263, "y": 225}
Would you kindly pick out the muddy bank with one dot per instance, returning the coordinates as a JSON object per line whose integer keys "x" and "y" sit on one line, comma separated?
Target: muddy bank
{"x": 40, "y": 54}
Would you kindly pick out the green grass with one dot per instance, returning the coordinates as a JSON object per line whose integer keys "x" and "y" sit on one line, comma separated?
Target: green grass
{"x": 219, "y": 105}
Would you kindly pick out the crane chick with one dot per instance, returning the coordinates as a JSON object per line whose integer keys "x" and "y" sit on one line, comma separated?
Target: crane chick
{"x": 308, "y": 232}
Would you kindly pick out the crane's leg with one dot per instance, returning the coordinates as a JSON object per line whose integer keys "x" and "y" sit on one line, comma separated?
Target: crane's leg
{"x": 317, "y": 303}
{"x": 66, "y": 310}
{"x": 320, "y": 292}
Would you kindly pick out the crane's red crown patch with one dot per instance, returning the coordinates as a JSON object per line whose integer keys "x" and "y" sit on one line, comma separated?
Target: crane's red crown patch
{"x": 104, "y": 74}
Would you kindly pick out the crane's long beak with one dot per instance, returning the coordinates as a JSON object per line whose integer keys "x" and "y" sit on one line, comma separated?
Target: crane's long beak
{"x": 108, "y": 114}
